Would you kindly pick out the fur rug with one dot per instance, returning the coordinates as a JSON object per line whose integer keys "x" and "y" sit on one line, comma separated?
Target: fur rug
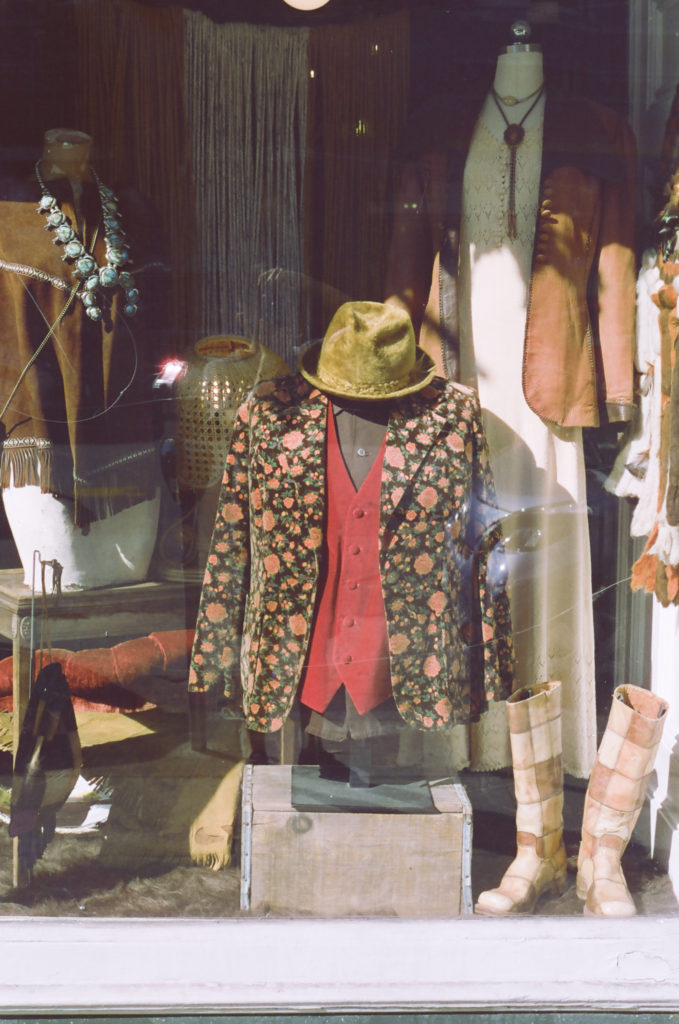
{"x": 76, "y": 879}
{"x": 150, "y": 788}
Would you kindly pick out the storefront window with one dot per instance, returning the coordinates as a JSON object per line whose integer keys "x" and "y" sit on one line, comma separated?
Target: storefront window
{"x": 339, "y": 538}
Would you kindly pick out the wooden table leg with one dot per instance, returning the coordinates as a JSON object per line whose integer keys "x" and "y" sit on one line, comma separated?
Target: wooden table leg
{"x": 21, "y": 688}
{"x": 21, "y": 673}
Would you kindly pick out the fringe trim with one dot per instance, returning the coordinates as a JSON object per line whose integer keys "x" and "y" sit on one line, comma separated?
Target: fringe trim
{"x": 108, "y": 489}
{"x": 211, "y": 833}
{"x": 213, "y": 859}
{"x": 27, "y": 462}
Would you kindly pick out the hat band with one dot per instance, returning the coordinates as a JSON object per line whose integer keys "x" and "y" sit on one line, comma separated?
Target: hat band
{"x": 377, "y": 388}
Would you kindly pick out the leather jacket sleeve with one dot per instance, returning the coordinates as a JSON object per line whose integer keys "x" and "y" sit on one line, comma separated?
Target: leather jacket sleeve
{"x": 617, "y": 283}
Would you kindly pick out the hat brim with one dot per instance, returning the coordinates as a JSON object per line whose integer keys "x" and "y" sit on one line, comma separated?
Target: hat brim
{"x": 422, "y": 374}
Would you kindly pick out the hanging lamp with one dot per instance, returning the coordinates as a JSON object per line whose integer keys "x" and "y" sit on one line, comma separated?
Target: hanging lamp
{"x": 306, "y": 5}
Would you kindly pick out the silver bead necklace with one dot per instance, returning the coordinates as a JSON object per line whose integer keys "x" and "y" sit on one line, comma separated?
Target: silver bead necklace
{"x": 95, "y": 281}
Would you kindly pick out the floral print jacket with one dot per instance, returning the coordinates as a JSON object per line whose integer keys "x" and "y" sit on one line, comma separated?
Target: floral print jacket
{"x": 441, "y": 564}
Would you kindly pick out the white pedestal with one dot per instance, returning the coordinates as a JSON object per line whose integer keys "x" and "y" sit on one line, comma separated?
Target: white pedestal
{"x": 113, "y": 551}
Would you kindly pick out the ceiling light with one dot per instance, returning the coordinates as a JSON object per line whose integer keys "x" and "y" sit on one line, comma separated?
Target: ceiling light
{"x": 306, "y": 5}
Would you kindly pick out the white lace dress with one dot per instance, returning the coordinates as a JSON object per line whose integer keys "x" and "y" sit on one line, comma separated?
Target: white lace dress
{"x": 539, "y": 469}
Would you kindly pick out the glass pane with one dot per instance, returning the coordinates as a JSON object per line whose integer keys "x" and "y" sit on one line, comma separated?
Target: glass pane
{"x": 338, "y": 559}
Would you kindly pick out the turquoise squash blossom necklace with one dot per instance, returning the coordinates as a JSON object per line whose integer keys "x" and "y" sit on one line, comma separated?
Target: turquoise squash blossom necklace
{"x": 95, "y": 281}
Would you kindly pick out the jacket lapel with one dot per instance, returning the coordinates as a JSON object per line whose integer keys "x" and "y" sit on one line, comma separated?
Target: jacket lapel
{"x": 301, "y": 428}
{"x": 415, "y": 427}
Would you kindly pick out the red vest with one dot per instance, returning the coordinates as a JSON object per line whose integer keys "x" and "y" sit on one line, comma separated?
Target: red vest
{"x": 349, "y": 644}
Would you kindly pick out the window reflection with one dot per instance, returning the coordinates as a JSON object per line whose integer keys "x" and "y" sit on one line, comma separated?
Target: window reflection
{"x": 238, "y": 177}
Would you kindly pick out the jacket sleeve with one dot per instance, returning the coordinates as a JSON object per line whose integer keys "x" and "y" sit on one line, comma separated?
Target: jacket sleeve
{"x": 617, "y": 279}
{"x": 493, "y": 655}
{"x": 215, "y": 659}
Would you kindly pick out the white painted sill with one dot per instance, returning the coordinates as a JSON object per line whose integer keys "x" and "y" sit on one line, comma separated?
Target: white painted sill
{"x": 243, "y": 966}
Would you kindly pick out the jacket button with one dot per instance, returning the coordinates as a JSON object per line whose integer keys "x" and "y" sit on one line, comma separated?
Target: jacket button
{"x": 352, "y": 584}
{"x": 349, "y": 622}
{"x": 540, "y": 257}
{"x": 354, "y": 549}
{"x": 358, "y": 513}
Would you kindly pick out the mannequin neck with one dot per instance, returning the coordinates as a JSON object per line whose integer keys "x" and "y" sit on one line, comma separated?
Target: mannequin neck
{"x": 517, "y": 75}
{"x": 375, "y": 412}
{"x": 66, "y": 154}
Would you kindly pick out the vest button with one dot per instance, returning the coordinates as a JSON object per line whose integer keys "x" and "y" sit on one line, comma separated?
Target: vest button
{"x": 358, "y": 513}
{"x": 349, "y": 622}
{"x": 354, "y": 549}
{"x": 352, "y": 584}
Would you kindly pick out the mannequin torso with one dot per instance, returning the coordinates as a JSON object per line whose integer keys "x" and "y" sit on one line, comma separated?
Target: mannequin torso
{"x": 97, "y": 511}
{"x": 536, "y": 466}
{"x": 66, "y": 154}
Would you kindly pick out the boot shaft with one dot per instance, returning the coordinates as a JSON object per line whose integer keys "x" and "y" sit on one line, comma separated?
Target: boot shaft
{"x": 624, "y": 763}
{"x": 615, "y": 796}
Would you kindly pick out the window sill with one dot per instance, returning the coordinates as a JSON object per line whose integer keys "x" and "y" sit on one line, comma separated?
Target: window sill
{"x": 128, "y": 966}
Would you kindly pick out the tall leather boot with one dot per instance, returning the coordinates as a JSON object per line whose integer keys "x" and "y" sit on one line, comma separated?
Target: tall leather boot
{"x": 534, "y": 716}
{"x": 615, "y": 795}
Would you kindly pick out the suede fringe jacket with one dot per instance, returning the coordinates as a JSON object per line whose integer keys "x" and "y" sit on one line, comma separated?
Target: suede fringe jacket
{"x": 80, "y": 424}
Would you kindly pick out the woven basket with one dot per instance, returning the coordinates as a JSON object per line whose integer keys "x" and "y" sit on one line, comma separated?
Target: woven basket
{"x": 221, "y": 372}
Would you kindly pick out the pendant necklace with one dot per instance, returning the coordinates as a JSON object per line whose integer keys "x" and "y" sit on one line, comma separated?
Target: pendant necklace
{"x": 513, "y": 136}
{"x": 94, "y": 280}
{"x": 513, "y": 101}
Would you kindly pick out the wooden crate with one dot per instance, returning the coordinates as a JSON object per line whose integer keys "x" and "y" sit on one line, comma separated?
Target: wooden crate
{"x": 339, "y": 863}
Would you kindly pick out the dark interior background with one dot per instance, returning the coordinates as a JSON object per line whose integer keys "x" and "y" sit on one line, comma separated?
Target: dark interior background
{"x": 454, "y": 44}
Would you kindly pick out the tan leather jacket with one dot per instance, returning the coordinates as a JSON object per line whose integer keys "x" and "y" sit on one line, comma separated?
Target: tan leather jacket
{"x": 579, "y": 342}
